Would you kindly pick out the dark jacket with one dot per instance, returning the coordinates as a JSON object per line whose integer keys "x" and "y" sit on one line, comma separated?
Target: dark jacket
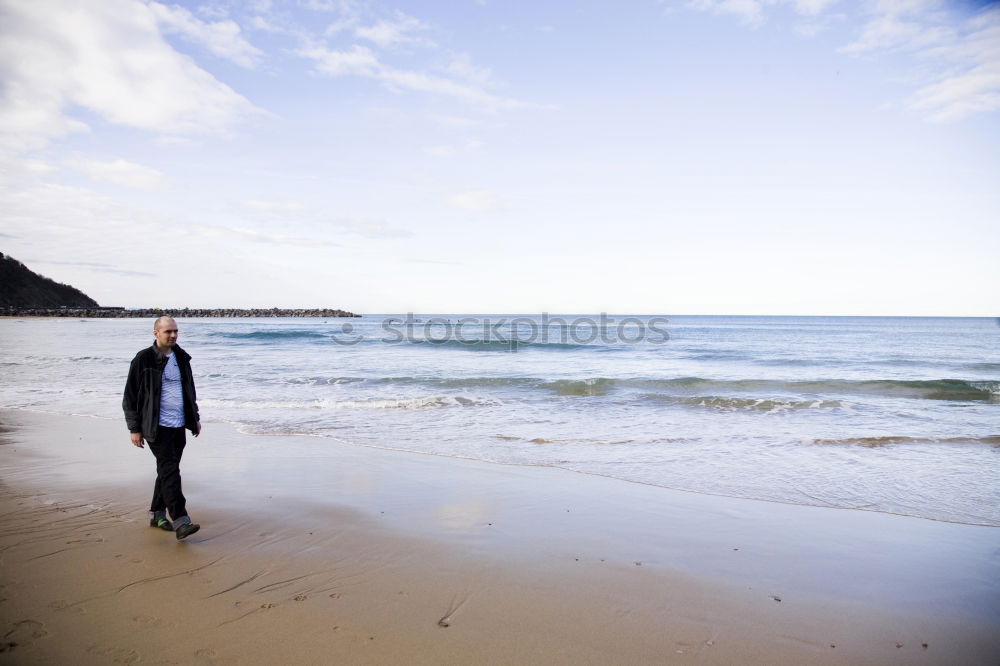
{"x": 142, "y": 391}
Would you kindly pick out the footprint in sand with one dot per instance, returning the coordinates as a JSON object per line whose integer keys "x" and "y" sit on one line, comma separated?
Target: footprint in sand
{"x": 117, "y": 655}
{"x": 24, "y": 632}
{"x": 301, "y": 597}
{"x": 150, "y": 621}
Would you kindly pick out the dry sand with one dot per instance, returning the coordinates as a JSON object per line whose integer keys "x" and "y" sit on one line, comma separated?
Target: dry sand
{"x": 315, "y": 552}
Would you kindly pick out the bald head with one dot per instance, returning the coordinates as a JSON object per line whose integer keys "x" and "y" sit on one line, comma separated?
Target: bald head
{"x": 165, "y": 332}
{"x": 165, "y": 320}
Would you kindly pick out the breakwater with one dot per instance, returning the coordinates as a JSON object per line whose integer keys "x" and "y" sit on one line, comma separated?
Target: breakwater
{"x": 120, "y": 312}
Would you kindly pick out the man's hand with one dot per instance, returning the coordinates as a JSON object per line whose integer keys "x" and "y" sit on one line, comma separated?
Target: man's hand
{"x": 137, "y": 440}
{"x": 197, "y": 429}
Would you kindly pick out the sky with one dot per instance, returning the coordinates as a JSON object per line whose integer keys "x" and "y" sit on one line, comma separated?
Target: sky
{"x": 784, "y": 157}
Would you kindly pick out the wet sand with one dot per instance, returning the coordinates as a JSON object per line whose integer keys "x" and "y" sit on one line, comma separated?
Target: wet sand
{"x": 317, "y": 552}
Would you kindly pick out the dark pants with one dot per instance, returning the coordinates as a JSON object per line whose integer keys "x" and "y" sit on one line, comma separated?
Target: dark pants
{"x": 168, "y": 448}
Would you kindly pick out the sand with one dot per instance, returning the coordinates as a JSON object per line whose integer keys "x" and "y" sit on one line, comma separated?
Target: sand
{"x": 316, "y": 552}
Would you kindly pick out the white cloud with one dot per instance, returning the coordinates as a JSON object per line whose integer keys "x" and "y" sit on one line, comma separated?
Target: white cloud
{"x": 213, "y": 11}
{"x": 109, "y": 58}
{"x": 462, "y": 67}
{"x": 972, "y": 85}
{"x": 400, "y": 29}
{"x": 812, "y": 7}
{"x": 440, "y": 151}
{"x": 253, "y": 236}
{"x": 461, "y": 78}
{"x": 753, "y": 12}
{"x": 94, "y": 266}
{"x": 362, "y": 61}
{"x": 261, "y": 23}
{"x": 956, "y": 97}
{"x": 457, "y": 122}
{"x": 346, "y": 6}
{"x": 359, "y": 61}
{"x": 222, "y": 38}
{"x": 46, "y": 219}
{"x": 169, "y": 140}
{"x": 311, "y": 217}
{"x": 892, "y": 31}
{"x": 248, "y": 267}
{"x": 122, "y": 172}
{"x": 469, "y": 145}
{"x": 959, "y": 62}
{"x": 371, "y": 228}
{"x": 905, "y": 6}
{"x": 956, "y": 59}
{"x": 37, "y": 167}
{"x": 349, "y": 14}
{"x": 810, "y": 29}
{"x": 274, "y": 206}
{"x": 260, "y": 6}
{"x": 750, "y": 11}
{"x": 422, "y": 82}
{"x": 477, "y": 201}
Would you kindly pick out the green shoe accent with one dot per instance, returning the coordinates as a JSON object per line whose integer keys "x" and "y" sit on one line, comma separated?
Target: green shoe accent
{"x": 162, "y": 523}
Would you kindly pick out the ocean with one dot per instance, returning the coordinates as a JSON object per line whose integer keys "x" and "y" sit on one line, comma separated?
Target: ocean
{"x": 900, "y": 415}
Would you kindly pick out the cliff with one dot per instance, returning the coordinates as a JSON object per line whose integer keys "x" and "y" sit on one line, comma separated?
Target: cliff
{"x": 20, "y": 287}
{"x": 24, "y": 293}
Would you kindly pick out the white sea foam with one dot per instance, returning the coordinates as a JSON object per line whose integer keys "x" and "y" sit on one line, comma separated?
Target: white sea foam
{"x": 372, "y": 403}
{"x": 883, "y": 414}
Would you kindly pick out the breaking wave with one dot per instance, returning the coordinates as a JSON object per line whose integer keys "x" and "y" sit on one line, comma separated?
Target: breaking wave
{"x": 732, "y": 403}
{"x": 937, "y": 389}
{"x": 887, "y": 440}
{"x": 699, "y": 388}
{"x": 270, "y": 335}
{"x": 423, "y": 402}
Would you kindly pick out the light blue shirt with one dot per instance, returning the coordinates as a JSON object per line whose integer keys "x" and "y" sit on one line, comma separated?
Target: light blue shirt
{"x": 171, "y": 396}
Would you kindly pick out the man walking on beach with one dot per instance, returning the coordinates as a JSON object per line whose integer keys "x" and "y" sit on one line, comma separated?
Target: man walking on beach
{"x": 159, "y": 404}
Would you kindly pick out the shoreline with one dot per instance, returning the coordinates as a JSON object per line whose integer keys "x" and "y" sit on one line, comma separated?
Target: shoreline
{"x": 415, "y": 452}
{"x": 524, "y": 564}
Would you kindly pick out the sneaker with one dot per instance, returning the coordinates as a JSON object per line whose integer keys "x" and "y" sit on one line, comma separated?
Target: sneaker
{"x": 162, "y": 523}
{"x": 186, "y": 530}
